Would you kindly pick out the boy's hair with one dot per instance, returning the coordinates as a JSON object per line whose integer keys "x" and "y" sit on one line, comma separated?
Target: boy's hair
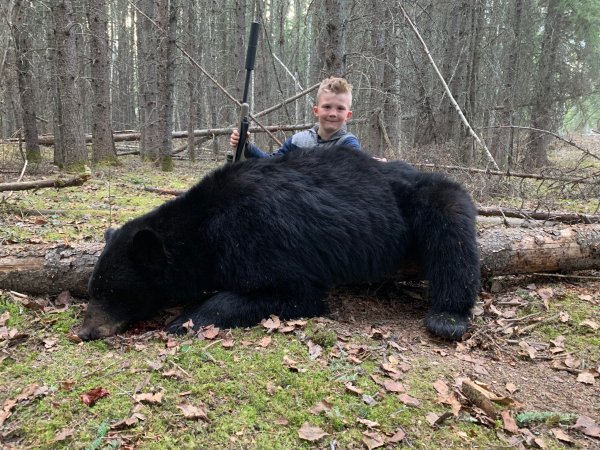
{"x": 335, "y": 85}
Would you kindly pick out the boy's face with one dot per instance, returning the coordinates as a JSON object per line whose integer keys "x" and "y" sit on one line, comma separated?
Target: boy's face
{"x": 332, "y": 111}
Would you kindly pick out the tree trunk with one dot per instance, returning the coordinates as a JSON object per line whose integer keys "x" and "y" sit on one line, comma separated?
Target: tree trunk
{"x": 27, "y": 87}
{"x": 50, "y": 270}
{"x": 192, "y": 80}
{"x": 103, "y": 146}
{"x": 147, "y": 49}
{"x": 71, "y": 121}
{"x": 374, "y": 138}
{"x": 542, "y": 112}
{"x": 331, "y": 41}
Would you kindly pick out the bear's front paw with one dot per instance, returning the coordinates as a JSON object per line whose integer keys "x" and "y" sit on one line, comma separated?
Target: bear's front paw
{"x": 447, "y": 326}
{"x": 181, "y": 325}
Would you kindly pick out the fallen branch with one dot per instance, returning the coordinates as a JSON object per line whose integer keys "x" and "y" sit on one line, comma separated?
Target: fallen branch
{"x": 57, "y": 183}
{"x": 563, "y": 217}
{"x": 44, "y": 269}
{"x": 592, "y": 179}
{"x": 48, "y": 139}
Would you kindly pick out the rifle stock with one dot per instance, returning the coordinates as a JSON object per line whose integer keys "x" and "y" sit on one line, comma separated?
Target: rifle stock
{"x": 245, "y": 109}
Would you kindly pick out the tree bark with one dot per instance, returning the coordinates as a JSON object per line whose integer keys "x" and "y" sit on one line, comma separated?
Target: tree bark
{"x": 27, "y": 87}
{"x": 331, "y": 41}
{"x": 50, "y": 270}
{"x": 71, "y": 121}
{"x": 103, "y": 146}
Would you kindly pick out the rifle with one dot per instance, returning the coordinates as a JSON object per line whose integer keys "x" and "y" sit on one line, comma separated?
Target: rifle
{"x": 245, "y": 110}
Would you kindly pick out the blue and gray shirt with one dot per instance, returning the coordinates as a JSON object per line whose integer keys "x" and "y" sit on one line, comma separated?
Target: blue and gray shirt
{"x": 307, "y": 139}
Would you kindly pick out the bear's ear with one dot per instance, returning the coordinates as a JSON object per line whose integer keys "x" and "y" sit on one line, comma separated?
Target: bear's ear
{"x": 147, "y": 250}
{"x": 109, "y": 234}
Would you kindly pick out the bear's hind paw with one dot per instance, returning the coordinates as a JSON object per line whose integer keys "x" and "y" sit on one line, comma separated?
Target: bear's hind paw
{"x": 446, "y": 325}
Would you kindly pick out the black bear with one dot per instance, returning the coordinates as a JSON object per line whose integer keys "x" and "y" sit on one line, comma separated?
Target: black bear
{"x": 270, "y": 236}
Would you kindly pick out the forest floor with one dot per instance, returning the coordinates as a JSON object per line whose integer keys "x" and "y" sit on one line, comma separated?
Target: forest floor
{"x": 367, "y": 375}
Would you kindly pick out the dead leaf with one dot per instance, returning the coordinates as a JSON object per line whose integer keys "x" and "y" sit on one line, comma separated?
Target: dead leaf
{"x": 227, "y": 342}
{"x": 93, "y": 395}
{"x": 532, "y": 352}
{"x": 7, "y": 407}
{"x": 587, "y": 377}
{"x": 351, "y": 388}
{"x": 562, "y": 436}
{"x": 149, "y": 398}
{"x": 368, "y": 423}
{"x": 282, "y": 421}
{"x": 131, "y": 421}
{"x": 564, "y": 316}
{"x": 272, "y": 323}
{"x": 311, "y": 433}
{"x": 441, "y": 387}
{"x": 64, "y": 434}
{"x": 193, "y": 412}
{"x": 587, "y": 426}
{"x": 398, "y": 436}
{"x": 4, "y": 318}
{"x": 292, "y": 365}
{"x": 314, "y": 350}
{"x": 322, "y": 406}
{"x": 63, "y": 299}
{"x": 435, "y": 419}
{"x": 393, "y": 386}
{"x": 509, "y": 422}
{"x": 571, "y": 362}
{"x": 559, "y": 342}
{"x": 379, "y": 334}
{"x": 590, "y": 323}
{"x": 188, "y": 326}
{"x": 265, "y": 342}
{"x": 373, "y": 440}
{"x": 172, "y": 373}
{"x": 368, "y": 400}
{"x": 408, "y": 400}
{"x": 511, "y": 388}
{"x": 210, "y": 332}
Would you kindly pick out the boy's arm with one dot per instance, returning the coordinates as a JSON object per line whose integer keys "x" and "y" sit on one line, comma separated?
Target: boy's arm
{"x": 252, "y": 151}
{"x": 352, "y": 142}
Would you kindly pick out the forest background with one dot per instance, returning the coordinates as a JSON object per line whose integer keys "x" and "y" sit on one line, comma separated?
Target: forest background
{"x": 74, "y": 67}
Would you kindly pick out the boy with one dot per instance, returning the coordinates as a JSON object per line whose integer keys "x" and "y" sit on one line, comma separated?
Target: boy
{"x": 334, "y": 100}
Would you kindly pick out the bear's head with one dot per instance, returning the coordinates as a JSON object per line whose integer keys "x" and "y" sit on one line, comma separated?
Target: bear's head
{"x": 126, "y": 284}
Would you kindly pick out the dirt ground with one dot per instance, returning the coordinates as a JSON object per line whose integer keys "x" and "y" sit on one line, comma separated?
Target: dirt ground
{"x": 491, "y": 358}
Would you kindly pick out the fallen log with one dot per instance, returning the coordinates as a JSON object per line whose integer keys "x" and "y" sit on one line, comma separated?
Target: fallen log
{"x": 51, "y": 269}
{"x": 38, "y": 184}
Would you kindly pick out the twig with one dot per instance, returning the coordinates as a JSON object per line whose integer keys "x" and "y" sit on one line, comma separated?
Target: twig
{"x": 163, "y": 191}
{"x": 558, "y": 275}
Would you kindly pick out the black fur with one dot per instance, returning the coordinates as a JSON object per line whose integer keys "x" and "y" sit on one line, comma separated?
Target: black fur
{"x": 270, "y": 236}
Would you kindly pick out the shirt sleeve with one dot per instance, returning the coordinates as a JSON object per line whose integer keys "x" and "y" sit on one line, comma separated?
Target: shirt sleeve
{"x": 253, "y": 151}
{"x": 352, "y": 142}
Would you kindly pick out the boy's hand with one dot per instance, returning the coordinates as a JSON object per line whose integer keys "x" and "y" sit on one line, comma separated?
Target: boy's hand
{"x": 234, "y": 138}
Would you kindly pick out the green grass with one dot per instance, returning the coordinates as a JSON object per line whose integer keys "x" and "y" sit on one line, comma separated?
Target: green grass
{"x": 248, "y": 391}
